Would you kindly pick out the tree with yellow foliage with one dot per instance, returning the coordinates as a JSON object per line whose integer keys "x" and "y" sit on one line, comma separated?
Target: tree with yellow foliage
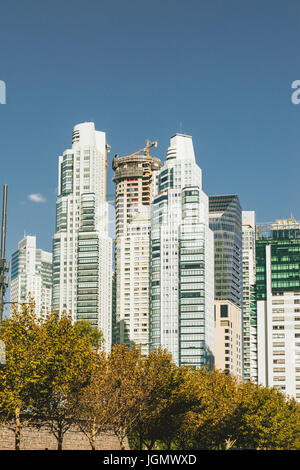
{"x": 266, "y": 419}
{"x": 158, "y": 409}
{"x": 122, "y": 379}
{"x": 210, "y": 398}
{"x": 21, "y": 374}
{"x": 95, "y": 405}
{"x": 65, "y": 366}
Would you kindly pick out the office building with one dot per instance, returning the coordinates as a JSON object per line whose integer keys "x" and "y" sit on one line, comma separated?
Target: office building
{"x": 278, "y": 305}
{"x": 31, "y": 276}
{"x": 225, "y": 220}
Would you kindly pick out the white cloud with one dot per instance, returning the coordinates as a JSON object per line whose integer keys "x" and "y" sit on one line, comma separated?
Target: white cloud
{"x": 36, "y": 197}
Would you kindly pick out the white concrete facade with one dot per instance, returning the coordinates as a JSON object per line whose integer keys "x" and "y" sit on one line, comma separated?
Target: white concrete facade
{"x": 135, "y": 178}
{"x": 133, "y": 295}
{"x": 249, "y": 279}
{"x": 82, "y": 249}
{"x": 31, "y": 271}
{"x": 278, "y": 332}
{"x": 182, "y": 260}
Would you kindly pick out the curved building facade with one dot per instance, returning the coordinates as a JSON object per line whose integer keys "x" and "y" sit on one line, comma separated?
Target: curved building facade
{"x": 182, "y": 260}
{"x": 82, "y": 249}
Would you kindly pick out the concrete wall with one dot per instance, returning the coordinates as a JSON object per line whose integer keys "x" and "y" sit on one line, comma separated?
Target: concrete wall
{"x": 34, "y": 439}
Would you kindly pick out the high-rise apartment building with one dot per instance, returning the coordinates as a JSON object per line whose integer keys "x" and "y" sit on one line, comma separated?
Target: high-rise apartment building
{"x": 82, "y": 249}
{"x": 249, "y": 305}
{"x": 278, "y": 305}
{"x": 182, "y": 260}
{"x": 225, "y": 220}
{"x": 228, "y": 338}
{"x": 133, "y": 259}
{"x": 135, "y": 178}
{"x": 31, "y": 276}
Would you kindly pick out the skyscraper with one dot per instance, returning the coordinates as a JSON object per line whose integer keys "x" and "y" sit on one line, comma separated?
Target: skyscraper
{"x": 225, "y": 219}
{"x": 135, "y": 178}
{"x": 182, "y": 276}
{"x": 249, "y": 305}
{"x": 82, "y": 249}
{"x": 278, "y": 305}
{"x": 31, "y": 272}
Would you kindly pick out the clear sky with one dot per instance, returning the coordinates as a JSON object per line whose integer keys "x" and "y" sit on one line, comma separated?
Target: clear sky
{"x": 219, "y": 70}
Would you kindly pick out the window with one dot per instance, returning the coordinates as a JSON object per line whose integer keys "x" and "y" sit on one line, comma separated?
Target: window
{"x": 224, "y": 311}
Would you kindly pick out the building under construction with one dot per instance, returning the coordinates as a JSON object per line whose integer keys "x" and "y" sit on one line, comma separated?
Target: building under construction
{"x": 135, "y": 178}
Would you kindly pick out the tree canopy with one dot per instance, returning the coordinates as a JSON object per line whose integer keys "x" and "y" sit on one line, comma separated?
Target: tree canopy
{"x": 57, "y": 375}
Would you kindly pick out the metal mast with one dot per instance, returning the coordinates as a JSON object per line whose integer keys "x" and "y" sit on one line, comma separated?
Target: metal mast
{"x": 4, "y": 265}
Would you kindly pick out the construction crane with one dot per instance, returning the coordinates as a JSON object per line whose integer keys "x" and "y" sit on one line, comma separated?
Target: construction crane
{"x": 145, "y": 149}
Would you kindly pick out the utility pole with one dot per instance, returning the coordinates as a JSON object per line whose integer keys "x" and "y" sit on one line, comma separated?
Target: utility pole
{"x": 4, "y": 264}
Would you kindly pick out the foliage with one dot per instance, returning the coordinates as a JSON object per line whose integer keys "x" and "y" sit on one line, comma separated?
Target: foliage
{"x": 94, "y": 406}
{"x": 158, "y": 408}
{"x": 56, "y": 375}
{"x": 65, "y": 364}
{"x": 93, "y": 334}
{"x": 266, "y": 419}
{"x": 212, "y": 398}
{"x": 21, "y": 373}
{"x": 122, "y": 378}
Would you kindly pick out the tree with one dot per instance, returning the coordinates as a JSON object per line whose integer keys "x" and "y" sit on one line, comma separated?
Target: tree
{"x": 95, "y": 403}
{"x": 266, "y": 419}
{"x": 157, "y": 409}
{"x": 67, "y": 359}
{"x": 92, "y": 333}
{"x": 22, "y": 373}
{"x": 122, "y": 379}
{"x": 210, "y": 398}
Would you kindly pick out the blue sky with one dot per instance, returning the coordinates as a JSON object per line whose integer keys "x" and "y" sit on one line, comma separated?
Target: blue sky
{"x": 219, "y": 70}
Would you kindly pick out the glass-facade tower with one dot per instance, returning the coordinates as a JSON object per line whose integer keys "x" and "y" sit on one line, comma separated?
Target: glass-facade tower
{"x": 278, "y": 305}
{"x": 82, "y": 249}
{"x": 225, "y": 219}
{"x": 181, "y": 269}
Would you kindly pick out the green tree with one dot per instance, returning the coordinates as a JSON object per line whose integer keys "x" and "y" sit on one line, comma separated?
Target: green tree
{"x": 122, "y": 378}
{"x": 95, "y": 403}
{"x": 210, "y": 398}
{"x": 66, "y": 365}
{"x": 266, "y": 419}
{"x": 92, "y": 333}
{"x": 158, "y": 409}
{"x": 21, "y": 374}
